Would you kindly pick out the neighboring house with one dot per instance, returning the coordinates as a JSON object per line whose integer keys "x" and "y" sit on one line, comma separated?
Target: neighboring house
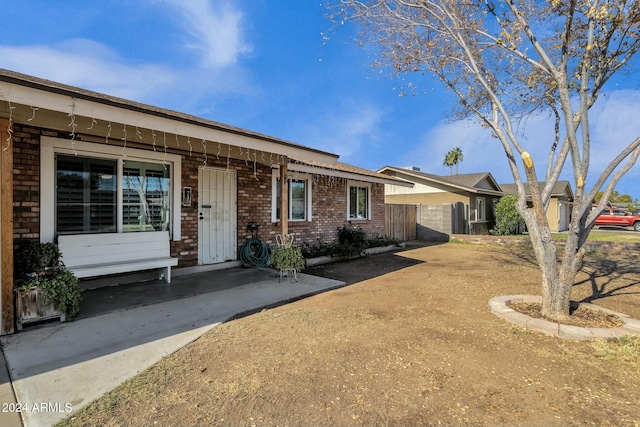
{"x": 79, "y": 163}
{"x": 468, "y": 197}
{"x": 559, "y": 210}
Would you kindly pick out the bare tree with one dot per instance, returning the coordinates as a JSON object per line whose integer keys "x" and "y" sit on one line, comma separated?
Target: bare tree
{"x": 505, "y": 60}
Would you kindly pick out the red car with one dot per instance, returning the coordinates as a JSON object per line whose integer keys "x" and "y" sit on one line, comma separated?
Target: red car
{"x": 612, "y": 217}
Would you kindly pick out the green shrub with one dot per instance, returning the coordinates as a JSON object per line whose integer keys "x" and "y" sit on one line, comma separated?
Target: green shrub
{"x": 317, "y": 249}
{"x": 287, "y": 258}
{"x": 380, "y": 241}
{"x": 507, "y": 217}
{"x": 352, "y": 241}
{"x": 35, "y": 256}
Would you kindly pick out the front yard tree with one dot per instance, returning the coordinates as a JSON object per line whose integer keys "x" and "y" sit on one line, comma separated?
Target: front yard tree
{"x": 505, "y": 60}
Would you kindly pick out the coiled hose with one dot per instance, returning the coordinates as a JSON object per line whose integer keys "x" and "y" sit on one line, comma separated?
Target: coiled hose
{"x": 255, "y": 253}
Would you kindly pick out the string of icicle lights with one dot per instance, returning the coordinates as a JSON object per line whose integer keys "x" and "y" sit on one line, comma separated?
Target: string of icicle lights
{"x": 318, "y": 179}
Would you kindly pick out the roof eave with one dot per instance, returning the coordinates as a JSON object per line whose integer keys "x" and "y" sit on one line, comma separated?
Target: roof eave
{"x": 348, "y": 175}
{"x": 448, "y": 184}
{"x": 22, "y": 89}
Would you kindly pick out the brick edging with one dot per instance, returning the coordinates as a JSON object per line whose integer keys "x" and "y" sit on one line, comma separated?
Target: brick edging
{"x": 608, "y": 247}
{"x": 500, "y": 307}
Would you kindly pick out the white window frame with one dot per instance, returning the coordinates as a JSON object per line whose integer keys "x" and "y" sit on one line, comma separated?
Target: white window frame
{"x": 50, "y": 146}
{"x": 360, "y": 184}
{"x": 481, "y": 208}
{"x": 275, "y": 176}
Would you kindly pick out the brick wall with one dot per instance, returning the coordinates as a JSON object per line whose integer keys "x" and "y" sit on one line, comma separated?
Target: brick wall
{"x": 329, "y": 212}
{"x": 186, "y": 250}
{"x": 329, "y": 199}
{"x": 26, "y": 181}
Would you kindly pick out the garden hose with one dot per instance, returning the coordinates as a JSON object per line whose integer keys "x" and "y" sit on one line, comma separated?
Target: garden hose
{"x": 255, "y": 253}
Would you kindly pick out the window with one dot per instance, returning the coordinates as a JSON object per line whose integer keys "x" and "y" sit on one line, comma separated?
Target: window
{"x": 358, "y": 202}
{"x": 145, "y": 197}
{"x": 85, "y": 195}
{"x": 299, "y": 192}
{"x": 93, "y": 188}
{"x": 480, "y": 209}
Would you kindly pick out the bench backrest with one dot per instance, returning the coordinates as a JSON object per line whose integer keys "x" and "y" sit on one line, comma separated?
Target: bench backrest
{"x": 88, "y": 249}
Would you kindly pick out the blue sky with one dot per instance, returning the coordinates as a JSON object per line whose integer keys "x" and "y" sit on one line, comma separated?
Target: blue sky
{"x": 265, "y": 66}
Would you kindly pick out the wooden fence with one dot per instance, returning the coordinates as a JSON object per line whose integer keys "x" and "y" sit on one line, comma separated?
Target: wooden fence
{"x": 400, "y": 222}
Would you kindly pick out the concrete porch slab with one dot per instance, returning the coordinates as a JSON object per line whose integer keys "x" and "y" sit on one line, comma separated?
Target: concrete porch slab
{"x": 58, "y": 369}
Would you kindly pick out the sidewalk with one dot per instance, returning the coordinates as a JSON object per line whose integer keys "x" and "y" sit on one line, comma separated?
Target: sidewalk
{"x": 8, "y": 415}
{"x": 58, "y": 369}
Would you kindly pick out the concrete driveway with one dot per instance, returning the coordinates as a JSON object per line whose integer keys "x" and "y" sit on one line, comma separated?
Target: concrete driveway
{"x": 58, "y": 369}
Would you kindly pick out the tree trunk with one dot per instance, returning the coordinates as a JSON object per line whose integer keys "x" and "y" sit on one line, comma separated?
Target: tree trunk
{"x": 557, "y": 278}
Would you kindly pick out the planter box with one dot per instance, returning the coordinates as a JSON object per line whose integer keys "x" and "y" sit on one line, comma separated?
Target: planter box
{"x": 310, "y": 262}
{"x": 380, "y": 249}
{"x": 30, "y": 308}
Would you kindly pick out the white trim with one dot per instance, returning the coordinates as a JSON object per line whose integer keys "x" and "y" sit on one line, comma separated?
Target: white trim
{"x": 360, "y": 184}
{"x": 233, "y": 218}
{"x": 484, "y": 209}
{"x": 119, "y": 190}
{"x": 50, "y": 146}
{"x": 275, "y": 176}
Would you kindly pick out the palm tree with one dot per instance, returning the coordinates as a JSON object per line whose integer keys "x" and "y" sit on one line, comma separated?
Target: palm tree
{"x": 456, "y": 157}
{"x": 448, "y": 161}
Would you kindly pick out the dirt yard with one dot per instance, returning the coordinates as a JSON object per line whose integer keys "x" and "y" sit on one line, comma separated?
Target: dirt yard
{"x": 409, "y": 342}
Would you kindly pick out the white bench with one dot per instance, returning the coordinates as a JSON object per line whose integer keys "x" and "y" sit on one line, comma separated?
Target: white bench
{"x": 91, "y": 255}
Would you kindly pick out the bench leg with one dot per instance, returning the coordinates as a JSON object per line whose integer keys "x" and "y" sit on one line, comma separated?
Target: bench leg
{"x": 167, "y": 275}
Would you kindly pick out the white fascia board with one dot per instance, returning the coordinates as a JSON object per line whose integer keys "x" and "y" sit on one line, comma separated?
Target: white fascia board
{"x": 66, "y": 103}
{"x": 349, "y": 175}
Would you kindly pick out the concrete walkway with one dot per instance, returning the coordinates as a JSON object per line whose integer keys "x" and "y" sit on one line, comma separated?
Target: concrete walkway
{"x": 58, "y": 369}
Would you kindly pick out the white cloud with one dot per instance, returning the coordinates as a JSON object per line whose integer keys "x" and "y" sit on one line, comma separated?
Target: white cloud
{"x": 213, "y": 29}
{"x": 345, "y": 130}
{"x": 481, "y": 152}
{"x": 88, "y": 64}
{"x": 215, "y": 32}
{"x": 614, "y": 126}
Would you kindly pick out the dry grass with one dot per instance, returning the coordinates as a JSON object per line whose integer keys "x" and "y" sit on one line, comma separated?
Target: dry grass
{"x": 411, "y": 344}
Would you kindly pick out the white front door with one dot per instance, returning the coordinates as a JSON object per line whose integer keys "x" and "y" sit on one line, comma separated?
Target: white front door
{"x": 217, "y": 202}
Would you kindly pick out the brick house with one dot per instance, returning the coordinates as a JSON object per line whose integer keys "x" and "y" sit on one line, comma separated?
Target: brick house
{"x": 80, "y": 163}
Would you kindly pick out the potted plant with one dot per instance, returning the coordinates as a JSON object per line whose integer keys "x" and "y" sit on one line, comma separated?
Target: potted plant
{"x": 44, "y": 288}
{"x": 287, "y": 258}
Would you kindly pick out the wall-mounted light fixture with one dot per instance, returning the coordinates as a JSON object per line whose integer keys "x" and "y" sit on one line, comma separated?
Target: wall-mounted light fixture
{"x": 186, "y": 196}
